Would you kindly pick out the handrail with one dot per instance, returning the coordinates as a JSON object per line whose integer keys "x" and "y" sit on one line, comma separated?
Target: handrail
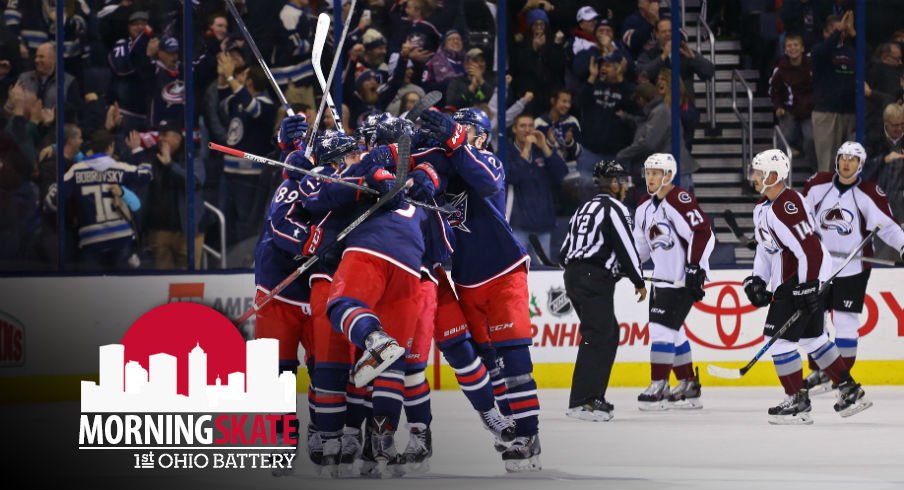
{"x": 746, "y": 126}
{"x": 779, "y": 136}
{"x": 683, "y": 14}
{"x": 711, "y": 83}
{"x": 221, "y": 220}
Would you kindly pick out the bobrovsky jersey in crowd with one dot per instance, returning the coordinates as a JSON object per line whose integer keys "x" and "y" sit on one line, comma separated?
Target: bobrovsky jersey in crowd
{"x": 91, "y": 183}
{"x": 845, "y": 214}
{"x": 473, "y": 181}
{"x": 673, "y": 232}
{"x": 787, "y": 244}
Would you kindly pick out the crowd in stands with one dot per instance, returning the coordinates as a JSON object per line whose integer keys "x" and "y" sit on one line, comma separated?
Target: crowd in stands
{"x": 586, "y": 80}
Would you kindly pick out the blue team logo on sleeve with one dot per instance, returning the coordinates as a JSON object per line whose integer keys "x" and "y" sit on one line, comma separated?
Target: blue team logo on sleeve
{"x": 460, "y": 216}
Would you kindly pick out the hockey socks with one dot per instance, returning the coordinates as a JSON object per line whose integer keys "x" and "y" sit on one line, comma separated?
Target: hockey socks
{"x": 472, "y": 375}
{"x": 830, "y": 361}
{"x": 388, "y": 394}
{"x": 521, "y": 389}
{"x": 683, "y": 365}
{"x": 417, "y": 398}
{"x": 329, "y": 400}
{"x": 353, "y": 319}
{"x": 789, "y": 368}
{"x": 488, "y": 354}
{"x": 662, "y": 356}
{"x": 358, "y": 405}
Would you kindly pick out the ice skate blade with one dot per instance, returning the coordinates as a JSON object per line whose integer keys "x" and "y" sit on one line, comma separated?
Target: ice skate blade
{"x": 802, "y": 418}
{"x": 347, "y": 470}
{"x": 416, "y": 468}
{"x": 367, "y": 468}
{"x": 366, "y": 373}
{"x": 686, "y": 404}
{"x": 589, "y": 416}
{"x": 861, "y": 405}
{"x": 653, "y": 406}
{"x": 327, "y": 471}
{"x": 523, "y": 465}
{"x": 821, "y": 389}
{"x": 382, "y": 469}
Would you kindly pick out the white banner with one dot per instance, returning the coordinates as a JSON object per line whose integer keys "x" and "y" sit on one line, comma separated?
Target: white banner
{"x": 53, "y": 326}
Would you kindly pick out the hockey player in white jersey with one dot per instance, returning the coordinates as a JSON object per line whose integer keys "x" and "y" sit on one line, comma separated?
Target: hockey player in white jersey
{"x": 672, "y": 230}
{"x": 845, "y": 208}
{"x": 792, "y": 259}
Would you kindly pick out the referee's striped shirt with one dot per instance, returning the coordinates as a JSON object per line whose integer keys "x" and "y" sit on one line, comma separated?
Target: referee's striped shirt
{"x": 600, "y": 233}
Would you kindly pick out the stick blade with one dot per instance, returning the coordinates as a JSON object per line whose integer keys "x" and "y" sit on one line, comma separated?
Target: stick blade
{"x": 323, "y": 27}
{"x": 427, "y": 101}
{"x": 723, "y": 372}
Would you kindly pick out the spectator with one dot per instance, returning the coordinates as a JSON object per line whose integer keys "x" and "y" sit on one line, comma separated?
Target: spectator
{"x": 805, "y": 19}
{"x": 561, "y": 129}
{"x": 42, "y": 80}
{"x": 511, "y": 112}
{"x": 692, "y": 63}
{"x": 47, "y": 176}
{"x": 604, "y": 100}
{"x": 446, "y": 64}
{"x": 167, "y": 215}
{"x": 883, "y": 82}
{"x": 791, "y": 91}
{"x": 534, "y": 173}
{"x": 405, "y": 99}
{"x": 834, "y": 96}
{"x": 606, "y": 44}
{"x": 252, "y": 117}
{"x": 130, "y": 60}
{"x": 639, "y": 27}
{"x": 18, "y": 211}
{"x": 364, "y": 99}
{"x": 474, "y": 89}
{"x": 166, "y": 87}
{"x": 654, "y": 135}
{"x": 415, "y": 29}
{"x": 10, "y": 61}
{"x": 292, "y": 50}
{"x": 26, "y": 116}
{"x": 885, "y": 164}
{"x": 538, "y": 64}
{"x": 583, "y": 33}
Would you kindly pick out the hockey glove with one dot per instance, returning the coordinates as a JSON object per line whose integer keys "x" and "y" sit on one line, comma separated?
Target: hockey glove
{"x": 806, "y": 297}
{"x": 426, "y": 181}
{"x": 383, "y": 180}
{"x": 291, "y": 132}
{"x": 315, "y": 236}
{"x": 693, "y": 281}
{"x": 756, "y": 291}
{"x": 298, "y": 160}
{"x": 380, "y": 157}
{"x": 450, "y": 134}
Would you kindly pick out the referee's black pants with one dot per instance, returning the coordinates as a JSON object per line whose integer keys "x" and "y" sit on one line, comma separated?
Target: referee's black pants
{"x": 591, "y": 289}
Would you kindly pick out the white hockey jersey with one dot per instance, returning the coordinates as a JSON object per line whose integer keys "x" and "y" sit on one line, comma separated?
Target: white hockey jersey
{"x": 787, "y": 243}
{"x": 673, "y": 232}
{"x": 844, "y": 217}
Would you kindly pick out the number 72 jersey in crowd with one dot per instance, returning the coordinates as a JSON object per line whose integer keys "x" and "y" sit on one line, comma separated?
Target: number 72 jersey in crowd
{"x": 673, "y": 232}
{"x": 787, "y": 243}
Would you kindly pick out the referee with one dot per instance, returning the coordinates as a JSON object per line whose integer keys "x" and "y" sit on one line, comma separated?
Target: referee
{"x": 598, "y": 250}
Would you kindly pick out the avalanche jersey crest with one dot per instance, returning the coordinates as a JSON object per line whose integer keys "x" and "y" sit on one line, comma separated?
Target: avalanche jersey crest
{"x": 764, "y": 238}
{"x": 838, "y": 219}
{"x": 460, "y": 216}
{"x": 661, "y": 236}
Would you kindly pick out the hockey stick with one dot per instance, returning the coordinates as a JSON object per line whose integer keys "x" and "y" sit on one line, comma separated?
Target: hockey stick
{"x": 401, "y": 179}
{"x": 446, "y": 209}
{"x": 257, "y": 54}
{"x": 728, "y": 373}
{"x": 323, "y": 27}
{"x": 874, "y": 260}
{"x": 329, "y": 80}
{"x": 732, "y": 223}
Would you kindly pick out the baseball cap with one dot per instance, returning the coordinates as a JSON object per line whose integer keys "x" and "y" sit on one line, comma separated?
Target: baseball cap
{"x": 587, "y": 13}
{"x": 169, "y": 125}
{"x": 169, "y": 44}
{"x": 645, "y": 90}
{"x": 474, "y": 53}
{"x": 613, "y": 57}
{"x": 139, "y": 15}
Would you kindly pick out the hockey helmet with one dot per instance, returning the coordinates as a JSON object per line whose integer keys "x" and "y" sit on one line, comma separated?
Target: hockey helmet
{"x": 472, "y": 116}
{"x": 333, "y": 145}
{"x": 662, "y": 161}
{"x": 773, "y": 160}
{"x": 854, "y": 149}
{"x": 608, "y": 169}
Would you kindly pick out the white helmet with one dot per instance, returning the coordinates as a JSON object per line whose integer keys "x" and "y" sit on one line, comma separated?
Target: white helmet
{"x": 664, "y": 162}
{"x": 854, "y": 149}
{"x": 769, "y": 161}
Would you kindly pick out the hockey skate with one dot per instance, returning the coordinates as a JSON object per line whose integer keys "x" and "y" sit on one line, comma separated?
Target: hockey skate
{"x": 329, "y": 461}
{"x": 503, "y": 429}
{"x": 351, "y": 450}
{"x": 388, "y": 463}
{"x": 595, "y": 410}
{"x": 416, "y": 458}
{"x": 655, "y": 397}
{"x": 523, "y": 455}
{"x": 686, "y": 396}
{"x": 380, "y": 352}
{"x": 315, "y": 445}
{"x": 851, "y": 399}
{"x": 818, "y": 382}
{"x": 368, "y": 462}
{"x": 794, "y": 410}
{"x": 287, "y": 451}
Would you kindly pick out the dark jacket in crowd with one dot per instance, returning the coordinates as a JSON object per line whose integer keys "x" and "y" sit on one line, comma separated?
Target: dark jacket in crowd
{"x": 598, "y": 104}
{"x": 654, "y": 135}
{"x": 833, "y": 75}
{"x": 791, "y": 87}
{"x": 535, "y": 183}
{"x": 651, "y": 62}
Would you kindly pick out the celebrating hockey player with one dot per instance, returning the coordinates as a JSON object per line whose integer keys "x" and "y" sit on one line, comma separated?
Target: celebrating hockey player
{"x": 672, "y": 230}
{"x": 792, "y": 259}
{"x": 845, "y": 207}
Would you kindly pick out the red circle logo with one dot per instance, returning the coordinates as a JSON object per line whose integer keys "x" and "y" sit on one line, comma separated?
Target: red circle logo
{"x": 728, "y": 311}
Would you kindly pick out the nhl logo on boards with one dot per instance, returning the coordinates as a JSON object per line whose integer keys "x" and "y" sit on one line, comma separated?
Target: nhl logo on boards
{"x": 557, "y": 301}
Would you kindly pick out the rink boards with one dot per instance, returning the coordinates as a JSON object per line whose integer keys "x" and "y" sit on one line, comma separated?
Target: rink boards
{"x": 51, "y": 327}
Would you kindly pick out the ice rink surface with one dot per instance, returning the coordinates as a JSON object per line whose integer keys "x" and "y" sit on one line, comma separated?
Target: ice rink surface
{"x": 727, "y": 445}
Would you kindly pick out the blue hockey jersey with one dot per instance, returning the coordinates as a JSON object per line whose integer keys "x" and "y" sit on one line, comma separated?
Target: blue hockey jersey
{"x": 332, "y": 211}
{"x": 251, "y": 121}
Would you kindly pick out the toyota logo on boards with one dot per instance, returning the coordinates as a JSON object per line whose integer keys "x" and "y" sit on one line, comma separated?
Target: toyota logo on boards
{"x": 730, "y": 310}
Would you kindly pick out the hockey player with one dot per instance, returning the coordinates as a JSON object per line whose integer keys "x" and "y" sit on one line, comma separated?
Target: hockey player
{"x": 845, "y": 206}
{"x": 672, "y": 230}
{"x": 792, "y": 260}
{"x": 492, "y": 288}
{"x": 598, "y": 249}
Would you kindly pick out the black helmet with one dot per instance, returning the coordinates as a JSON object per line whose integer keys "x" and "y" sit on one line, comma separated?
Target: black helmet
{"x": 609, "y": 169}
{"x": 333, "y": 145}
